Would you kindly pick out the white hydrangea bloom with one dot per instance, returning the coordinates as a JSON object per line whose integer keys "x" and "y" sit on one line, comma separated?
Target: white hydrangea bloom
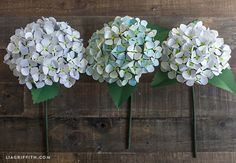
{"x": 122, "y": 51}
{"x": 45, "y": 52}
{"x": 194, "y": 54}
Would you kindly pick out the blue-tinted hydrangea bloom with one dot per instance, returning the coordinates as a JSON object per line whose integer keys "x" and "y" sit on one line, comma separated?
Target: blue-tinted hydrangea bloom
{"x": 122, "y": 51}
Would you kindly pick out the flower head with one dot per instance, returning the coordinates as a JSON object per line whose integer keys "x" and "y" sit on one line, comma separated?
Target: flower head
{"x": 194, "y": 54}
{"x": 44, "y": 52}
{"x": 122, "y": 51}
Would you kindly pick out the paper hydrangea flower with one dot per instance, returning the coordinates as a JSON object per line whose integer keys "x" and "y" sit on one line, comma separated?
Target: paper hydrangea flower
{"x": 44, "y": 52}
{"x": 122, "y": 51}
{"x": 194, "y": 54}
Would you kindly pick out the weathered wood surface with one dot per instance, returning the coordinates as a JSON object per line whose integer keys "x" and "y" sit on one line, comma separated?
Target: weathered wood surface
{"x": 118, "y": 7}
{"x": 109, "y": 134}
{"x": 84, "y": 119}
{"x": 129, "y": 157}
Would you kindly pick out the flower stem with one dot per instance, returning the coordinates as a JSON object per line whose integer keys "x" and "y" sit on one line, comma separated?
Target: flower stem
{"x": 129, "y": 124}
{"x": 194, "y": 145}
{"x": 46, "y": 128}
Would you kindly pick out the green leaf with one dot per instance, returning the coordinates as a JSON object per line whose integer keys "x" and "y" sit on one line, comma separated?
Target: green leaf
{"x": 120, "y": 94}
{"x": 224, "y": 81}
{"x": 162, "y": 32}
{"x": 45, "y": 93}
{"x": 195, "y": 21}
{"x": 161, "y": 79}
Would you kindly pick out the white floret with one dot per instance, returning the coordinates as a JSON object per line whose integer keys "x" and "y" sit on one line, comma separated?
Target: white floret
{"x": 194, "y": 54}
{"x": 46, "y": 52}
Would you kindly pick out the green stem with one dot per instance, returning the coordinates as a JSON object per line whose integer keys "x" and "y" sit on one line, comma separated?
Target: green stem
{"x": 194, "y": 145}
{"x": 46, "y": 127}
{"x": 130, "y": 123}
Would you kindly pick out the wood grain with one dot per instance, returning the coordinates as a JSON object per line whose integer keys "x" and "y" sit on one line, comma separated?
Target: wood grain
{"x": 11, "y": 99}
{"x": 146, "y": 102}
{"x": 84, "y": 125}
{"x": 127, "y": 157}
{"x": 109, "y": 134}
{"x": 118, "y": 7}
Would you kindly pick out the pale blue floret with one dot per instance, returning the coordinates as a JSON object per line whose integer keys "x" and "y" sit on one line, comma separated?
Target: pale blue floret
{"x": 121, "y": 51}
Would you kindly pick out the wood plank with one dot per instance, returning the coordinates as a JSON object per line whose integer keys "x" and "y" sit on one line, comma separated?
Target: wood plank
{"x": 83, "y": 100}
{"x": 147, "y": 102}
{"x": 11, "y": 99}
{"x": 171, "y": 101}
{"x": 170, "y": 157}
{"x": 176, "y": 101}
{"x": 128, "y": 157}
{"x": 109, "y": 134}
{"x": 214, "y": 102}
{"x": 76, "y": 103}
{"x": 118, "y": 7}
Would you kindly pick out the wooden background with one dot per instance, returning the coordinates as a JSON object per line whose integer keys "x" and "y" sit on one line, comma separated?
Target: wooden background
{"x": 84, "y": 125}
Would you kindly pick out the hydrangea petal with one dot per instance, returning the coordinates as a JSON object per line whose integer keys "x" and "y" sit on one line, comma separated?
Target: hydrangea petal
{"x": 194, "y": 53}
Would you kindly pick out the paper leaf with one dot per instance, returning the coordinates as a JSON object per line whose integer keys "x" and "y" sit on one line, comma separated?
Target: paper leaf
{"x": 45, "y": 93}
{"x": 161, "y": 79}
{"x": 162, "y": 32}
{"x": 120, "y": 94}
{"x": 195, "y": 21}
{"x": 224, "y": 81}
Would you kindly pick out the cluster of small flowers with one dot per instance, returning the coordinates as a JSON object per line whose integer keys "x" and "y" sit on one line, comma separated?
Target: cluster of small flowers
{"x": 122, "y": 51}
{"x": 194, "y": 54}
{"x": 44, "y": 52}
